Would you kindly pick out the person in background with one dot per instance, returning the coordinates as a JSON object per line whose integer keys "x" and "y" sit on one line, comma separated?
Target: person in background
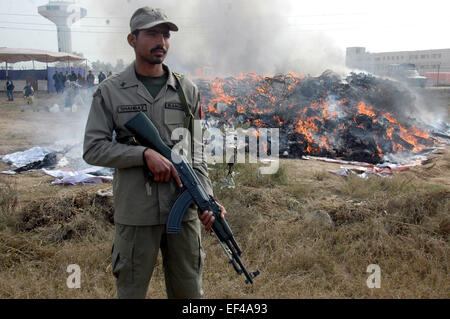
{"x": 81, "y": 80}
{"x": 69, "y": 95}
{"x": 9, "y": 89}
{"x": 90, "y": 79}
{"x": 73, "y": 77}
{"x": 56, "y": 82}
{"x": 64, "y": 78}
{"x": 109, "y": 74}
{"x": 61, "y": 79}
{"x": 101, "y": 77}
{"x": 28, "y": 95}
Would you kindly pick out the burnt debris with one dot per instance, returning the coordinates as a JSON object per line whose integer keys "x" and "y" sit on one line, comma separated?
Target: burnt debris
{"x": 360, "y": 117}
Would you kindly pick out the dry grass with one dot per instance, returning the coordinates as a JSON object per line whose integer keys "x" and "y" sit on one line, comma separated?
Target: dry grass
{"x": 400, "y": 223}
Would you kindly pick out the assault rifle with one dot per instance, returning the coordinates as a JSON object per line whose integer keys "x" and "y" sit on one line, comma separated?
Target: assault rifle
{"x": 192, "y": 192}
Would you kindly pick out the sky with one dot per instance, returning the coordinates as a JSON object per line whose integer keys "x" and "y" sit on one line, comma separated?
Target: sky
{"x": 238, "y": 36}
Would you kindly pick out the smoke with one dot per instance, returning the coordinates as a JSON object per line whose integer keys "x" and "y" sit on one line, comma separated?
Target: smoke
{"x": 63, "y": 131}
{"x": 225, "y": 37}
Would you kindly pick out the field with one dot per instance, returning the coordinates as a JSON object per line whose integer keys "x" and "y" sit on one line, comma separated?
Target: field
{"x": 401, "y": 224}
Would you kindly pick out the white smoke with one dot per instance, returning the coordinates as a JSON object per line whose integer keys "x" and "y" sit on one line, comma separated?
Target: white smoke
{"x": 225, "y": 37}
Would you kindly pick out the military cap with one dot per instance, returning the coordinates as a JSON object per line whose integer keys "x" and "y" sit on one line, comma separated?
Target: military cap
{"x": 146, "y": 18}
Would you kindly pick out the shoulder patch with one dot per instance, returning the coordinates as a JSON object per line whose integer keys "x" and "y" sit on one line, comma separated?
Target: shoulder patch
{"x": 178, "y": 75}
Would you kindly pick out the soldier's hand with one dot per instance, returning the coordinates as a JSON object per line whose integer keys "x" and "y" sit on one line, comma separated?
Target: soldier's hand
{"x": 207, "y": 217}
{"x": 161, "y": 168}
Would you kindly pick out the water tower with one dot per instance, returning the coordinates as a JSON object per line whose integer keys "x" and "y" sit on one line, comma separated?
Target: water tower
{"x": 63, "y": 14}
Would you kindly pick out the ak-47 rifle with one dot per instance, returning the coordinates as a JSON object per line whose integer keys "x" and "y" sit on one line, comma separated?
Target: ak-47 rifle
{"x": 192, "y": 192}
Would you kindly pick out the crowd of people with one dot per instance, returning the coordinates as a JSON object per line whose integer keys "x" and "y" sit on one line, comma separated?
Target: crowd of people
{"x": 70, "y": 84}
{"x": 63, "y": 81}
{"x": 67, "y": 84}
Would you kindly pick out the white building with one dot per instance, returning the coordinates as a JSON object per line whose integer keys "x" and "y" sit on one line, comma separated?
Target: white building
{"x": 380, "y": 63}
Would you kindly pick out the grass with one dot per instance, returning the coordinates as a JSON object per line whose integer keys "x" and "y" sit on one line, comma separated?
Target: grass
{"x": 401, "y": 224}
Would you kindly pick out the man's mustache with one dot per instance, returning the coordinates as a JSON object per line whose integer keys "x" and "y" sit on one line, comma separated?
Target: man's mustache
{"x": 158, "y": 48}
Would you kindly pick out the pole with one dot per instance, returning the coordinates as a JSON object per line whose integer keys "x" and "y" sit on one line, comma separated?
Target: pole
{"x": 48, "y": 81}
{"x": 6, "y": 68}
{"x": 437, "y": 82}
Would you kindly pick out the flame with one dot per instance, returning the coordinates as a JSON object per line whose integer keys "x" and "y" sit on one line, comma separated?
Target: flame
{"x": 266, "y": 103}
{"x": 240, "y": 109}
{"x": 419, "y": 133}
{"x": 219, "y": 94}
{"x": 261, "y": 90}
{"x": 277, "y": 118}
{"x": 212, "y": 109}
{"x": 258, "y": 123}
{"x": 367, "y": 110}
{"x": 380, "y": 152}
{"x": 390, "y": 118}
{"x": 324, "y": 142}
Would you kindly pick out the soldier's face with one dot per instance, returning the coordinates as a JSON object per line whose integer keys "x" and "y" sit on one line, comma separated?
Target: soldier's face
{"x": 153, "y": 44}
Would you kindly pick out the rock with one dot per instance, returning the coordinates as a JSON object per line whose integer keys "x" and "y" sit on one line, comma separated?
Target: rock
{"x": 105, "y": 192}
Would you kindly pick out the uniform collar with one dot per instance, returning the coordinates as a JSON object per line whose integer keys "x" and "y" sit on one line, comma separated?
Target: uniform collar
{"x": 128, "y": 77}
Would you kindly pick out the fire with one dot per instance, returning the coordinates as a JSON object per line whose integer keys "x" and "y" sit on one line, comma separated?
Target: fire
{"x": 258, "y": 122}
{"x": 390, "y": 118}
{"x": 367, "y": 110}
{"x": 326, "y": 113}
{"x": 324, "y": 142}
{"x": 212, "y": 109}
{"x": 326, "y": 118}
{"x": 277, "y": 118}
{"x": 378, "y": 148}
{"x": 409, "y": 136}
{"x": 419, "y": 133}
{"x": 261, "y": 90}
{"x": 220, "y": 96}
{"x": 240, "y": 109}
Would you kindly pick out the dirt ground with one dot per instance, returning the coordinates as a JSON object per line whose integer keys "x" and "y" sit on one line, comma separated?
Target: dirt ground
{"x": 312, "y": 234}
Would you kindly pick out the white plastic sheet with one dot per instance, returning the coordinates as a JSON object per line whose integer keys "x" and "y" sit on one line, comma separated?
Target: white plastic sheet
{"x": 75, "y": 178}
{"x": 20, "y": 159}
{"x": 65, "y": 175}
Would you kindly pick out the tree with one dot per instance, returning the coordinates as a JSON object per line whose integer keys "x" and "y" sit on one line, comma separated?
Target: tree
{"x": 98, "y": 66}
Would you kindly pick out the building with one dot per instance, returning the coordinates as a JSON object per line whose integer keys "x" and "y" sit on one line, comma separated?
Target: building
{"x": 63, "y": 14}
{"x": 425, "y": 61}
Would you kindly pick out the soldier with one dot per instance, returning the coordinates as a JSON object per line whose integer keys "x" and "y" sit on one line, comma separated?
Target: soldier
{"x": 142, "y": 205}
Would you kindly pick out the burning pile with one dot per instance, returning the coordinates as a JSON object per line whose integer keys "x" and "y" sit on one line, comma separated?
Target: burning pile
{"x": 359, "y": 118}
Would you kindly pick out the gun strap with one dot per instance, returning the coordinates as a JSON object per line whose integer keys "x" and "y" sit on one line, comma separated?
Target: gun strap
{"x": 187, "y": 110}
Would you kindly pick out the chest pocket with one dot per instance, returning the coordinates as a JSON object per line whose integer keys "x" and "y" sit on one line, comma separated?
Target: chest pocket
{"x": 174, "y": 115}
